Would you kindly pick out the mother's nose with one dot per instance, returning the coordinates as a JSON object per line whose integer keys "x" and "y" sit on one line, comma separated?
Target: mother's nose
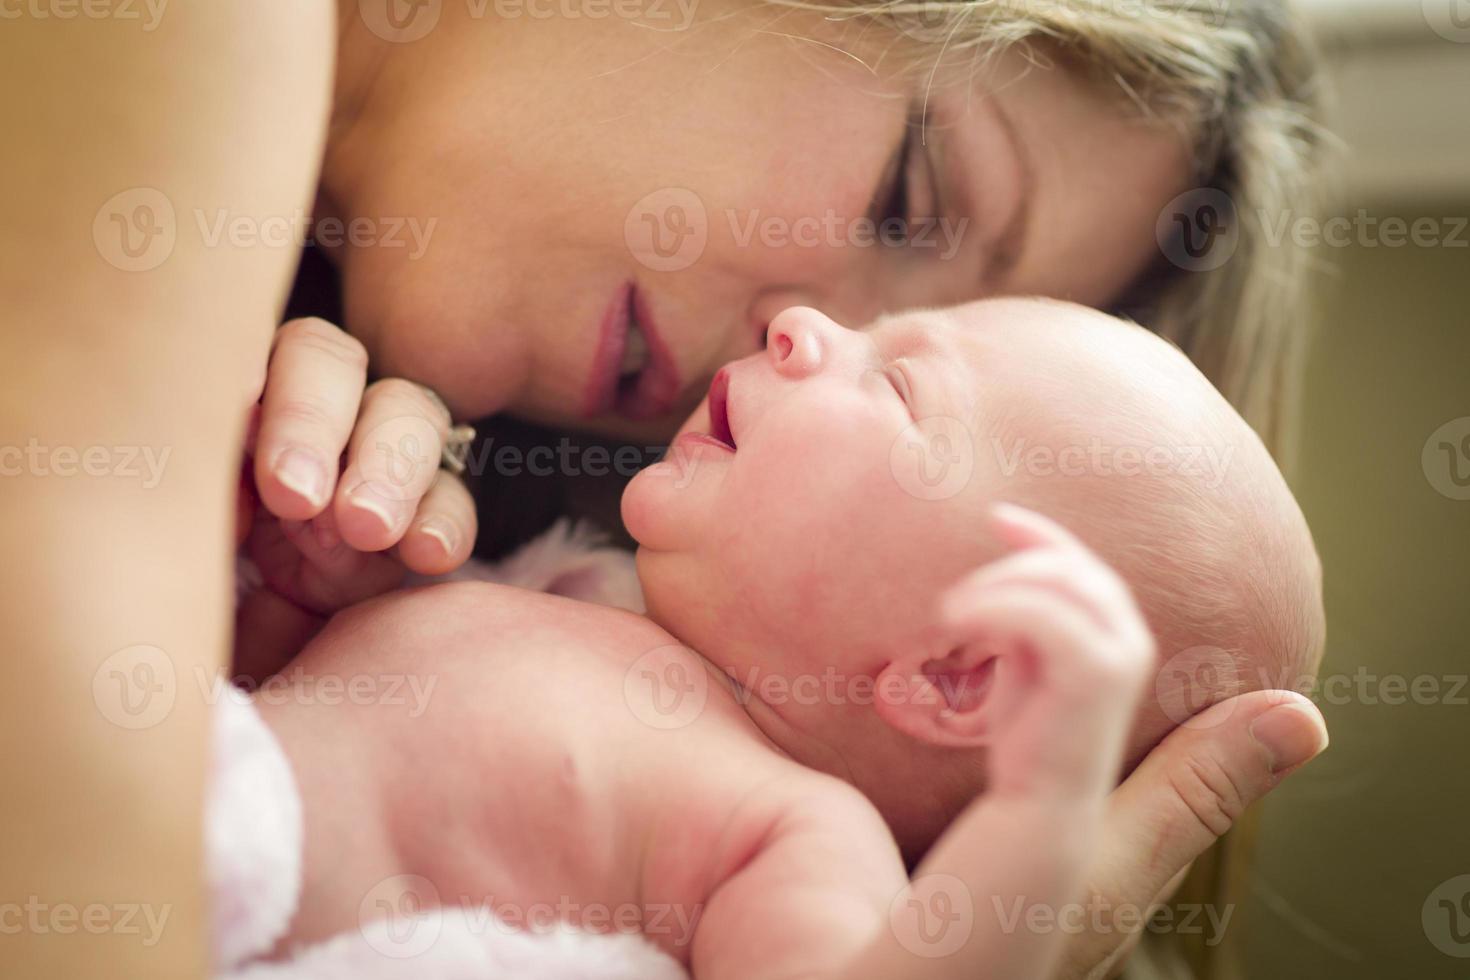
{"x": 799, "y": 341}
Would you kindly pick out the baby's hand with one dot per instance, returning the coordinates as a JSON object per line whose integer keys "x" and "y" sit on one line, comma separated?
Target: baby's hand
{"x": 1080, "y": 654}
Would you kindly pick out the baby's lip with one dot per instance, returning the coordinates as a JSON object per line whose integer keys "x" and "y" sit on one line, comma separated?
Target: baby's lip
{"x": 719, "y": 409}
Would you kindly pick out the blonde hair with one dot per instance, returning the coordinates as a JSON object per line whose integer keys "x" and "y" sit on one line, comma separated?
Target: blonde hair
{"x": 1239, "y": 76}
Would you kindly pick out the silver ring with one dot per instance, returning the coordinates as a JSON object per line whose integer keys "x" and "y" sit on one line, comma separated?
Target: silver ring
{"x": 455, "y": 454}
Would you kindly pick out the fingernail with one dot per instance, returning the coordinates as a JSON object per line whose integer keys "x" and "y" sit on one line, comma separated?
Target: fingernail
{"x": 301, "y": 472}
{"x": 1291, "y": 733}
{"x": 443, "y": 531}
{"x": 366, "y": 497}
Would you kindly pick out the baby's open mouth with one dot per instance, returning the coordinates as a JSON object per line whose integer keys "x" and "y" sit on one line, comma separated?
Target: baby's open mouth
{"x": 719, "y": 409}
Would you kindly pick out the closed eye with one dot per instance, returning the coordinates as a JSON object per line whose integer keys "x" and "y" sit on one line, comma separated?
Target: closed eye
{"x": 898, "y": 378}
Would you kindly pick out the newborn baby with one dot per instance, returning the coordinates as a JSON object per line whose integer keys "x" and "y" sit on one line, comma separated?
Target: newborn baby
{"x": 865, "y": 647}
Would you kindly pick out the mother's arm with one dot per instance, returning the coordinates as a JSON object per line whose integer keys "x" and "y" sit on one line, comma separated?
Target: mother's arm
{"x": 127, "y": 367}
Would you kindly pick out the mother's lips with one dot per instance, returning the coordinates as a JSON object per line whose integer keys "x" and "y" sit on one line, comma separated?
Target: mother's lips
{"x": 653, "y": 389}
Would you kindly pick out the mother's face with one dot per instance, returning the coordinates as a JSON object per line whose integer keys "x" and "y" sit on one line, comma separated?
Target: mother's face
{"x": 620, "y": 204}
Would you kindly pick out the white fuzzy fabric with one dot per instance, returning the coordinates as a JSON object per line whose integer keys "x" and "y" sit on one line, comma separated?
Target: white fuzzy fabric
{"x": 253, "y": 835}
{"x": 568, "y": 559}
{"x": 450, "y": 944}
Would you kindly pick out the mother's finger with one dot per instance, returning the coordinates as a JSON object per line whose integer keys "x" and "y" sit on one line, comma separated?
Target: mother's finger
{"x": 317, "y": 373}
{"x": 443, "y": 531}
{"x": 1188, "y": 791}
{"x": 392, "y": 460}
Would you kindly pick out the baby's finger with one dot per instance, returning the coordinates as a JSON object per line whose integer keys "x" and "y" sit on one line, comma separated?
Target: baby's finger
{"x": 1071, "y": 574}
{"x": 443, "y": 531}
{"x": 1074, "y": 693}
{"x": 1021, "y": 527}
{"x": 315, "y": 384}
{"x": 392, "y": 461}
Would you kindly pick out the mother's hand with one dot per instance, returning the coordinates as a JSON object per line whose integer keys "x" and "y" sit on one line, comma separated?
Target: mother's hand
{"x": 1187, "y": 793}
{"x": 388, "y": 491}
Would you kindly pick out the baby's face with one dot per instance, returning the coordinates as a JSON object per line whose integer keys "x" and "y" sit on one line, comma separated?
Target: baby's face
{"x": 806, "y": 520}
{"x": 839, "y": 480}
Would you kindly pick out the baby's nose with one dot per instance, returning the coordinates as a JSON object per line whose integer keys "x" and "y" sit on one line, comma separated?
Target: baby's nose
{"x": 798, "y": 341}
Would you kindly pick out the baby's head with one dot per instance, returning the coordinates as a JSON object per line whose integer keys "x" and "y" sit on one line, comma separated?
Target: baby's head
{"x": 843, "y": 480}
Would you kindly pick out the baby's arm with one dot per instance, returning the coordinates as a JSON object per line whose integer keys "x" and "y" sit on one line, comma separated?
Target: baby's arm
{"x": 826, "y": 895}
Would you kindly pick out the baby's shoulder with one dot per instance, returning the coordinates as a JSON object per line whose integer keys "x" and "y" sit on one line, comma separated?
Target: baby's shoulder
{"x": 488, "y": 620}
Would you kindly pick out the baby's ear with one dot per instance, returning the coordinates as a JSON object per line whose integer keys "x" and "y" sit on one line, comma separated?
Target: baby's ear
{"x": 962, "y": 699}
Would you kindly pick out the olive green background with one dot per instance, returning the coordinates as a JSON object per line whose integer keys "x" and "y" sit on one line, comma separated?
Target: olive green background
{"x": 1347, "y": 852}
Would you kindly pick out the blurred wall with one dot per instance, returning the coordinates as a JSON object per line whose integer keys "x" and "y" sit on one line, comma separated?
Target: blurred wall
{"x": 1359, "y": 867}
